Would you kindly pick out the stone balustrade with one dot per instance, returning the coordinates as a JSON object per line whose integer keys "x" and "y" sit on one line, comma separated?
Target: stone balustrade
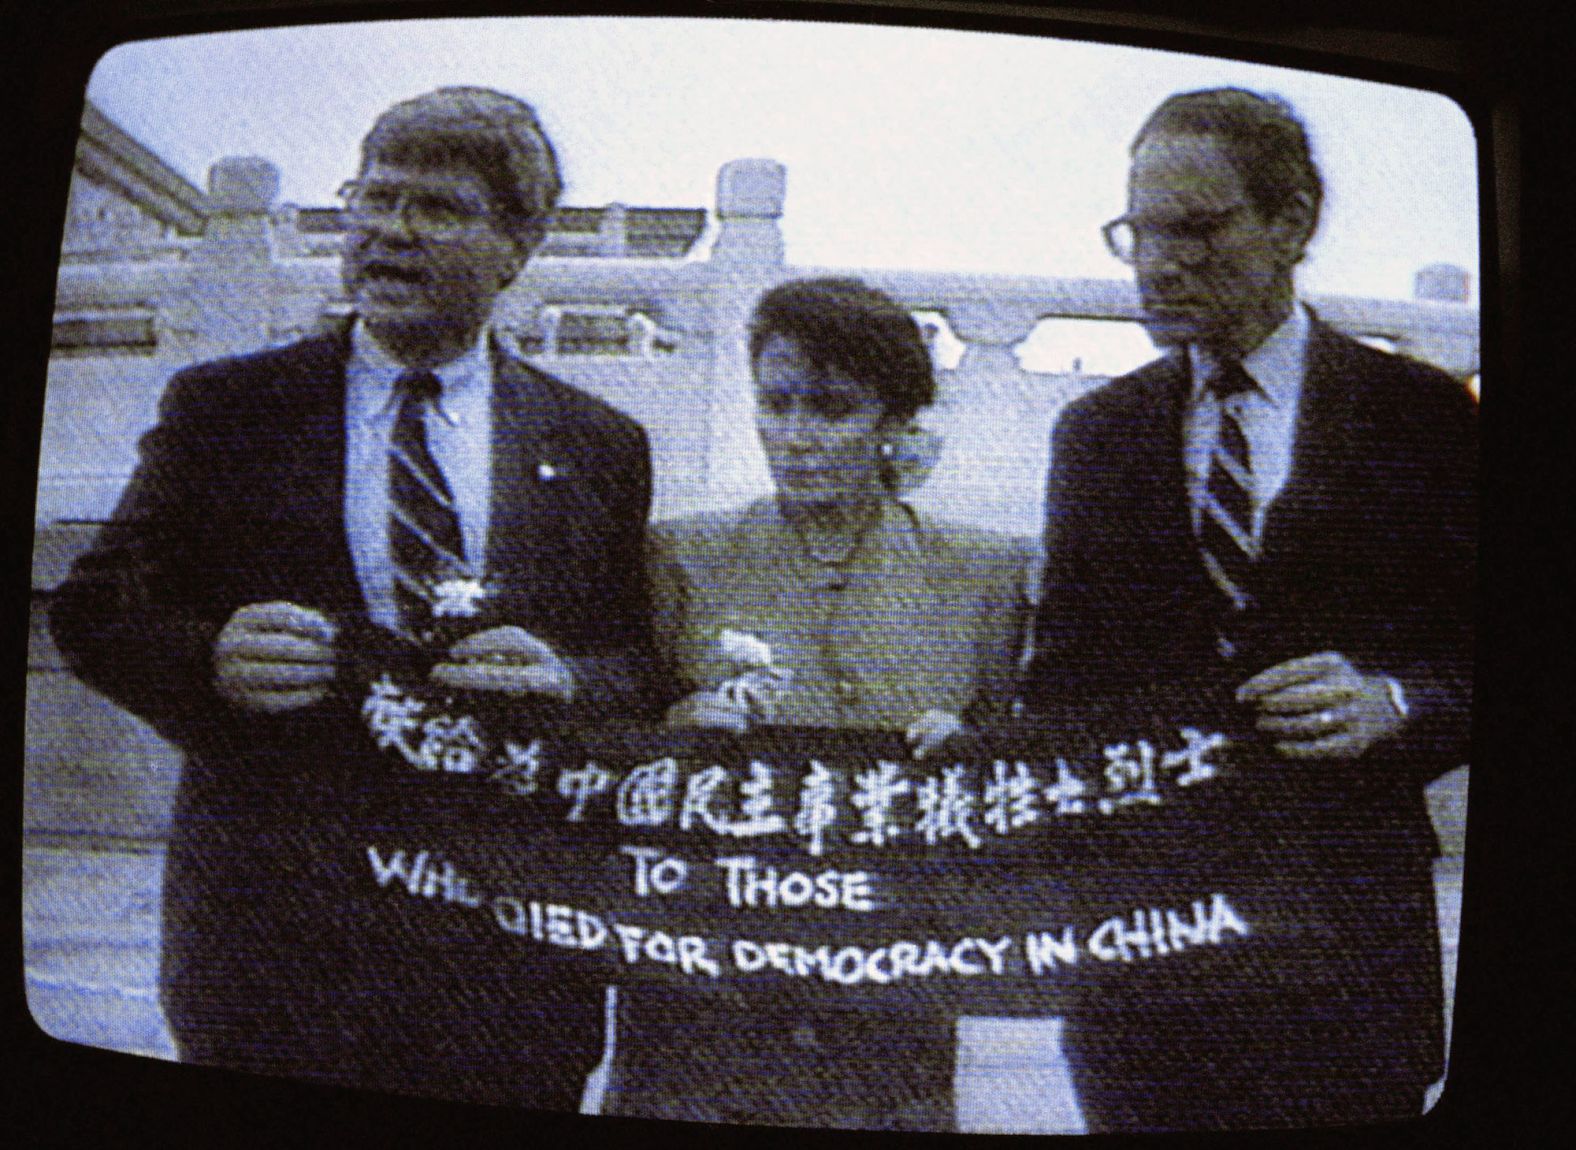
{"x": 661, "y": 337}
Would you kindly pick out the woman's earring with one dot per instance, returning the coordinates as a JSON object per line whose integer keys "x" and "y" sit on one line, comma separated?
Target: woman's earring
{"x": 887, "y": 449}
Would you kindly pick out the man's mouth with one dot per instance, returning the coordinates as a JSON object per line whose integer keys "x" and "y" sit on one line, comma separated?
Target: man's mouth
{"x": 1167, "y": 306}
{"x": 380, "y": 271}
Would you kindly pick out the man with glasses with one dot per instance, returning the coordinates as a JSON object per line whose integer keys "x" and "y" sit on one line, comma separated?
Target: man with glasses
{"x": 290, "y": 505}
{"x": 1278, "y": 521}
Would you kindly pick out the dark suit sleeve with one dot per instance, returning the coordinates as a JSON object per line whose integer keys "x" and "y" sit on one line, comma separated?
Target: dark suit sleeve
{"x": 1001, "y": 583}
{"x": 1062, "y": 620}
{"x": 613, "y": 675}
{"x": 132, "y": 619}
{"x": 1436, "y": 569}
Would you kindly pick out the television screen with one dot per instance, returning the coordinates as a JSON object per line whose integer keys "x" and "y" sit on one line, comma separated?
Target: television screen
{"x": 882, "y": 569}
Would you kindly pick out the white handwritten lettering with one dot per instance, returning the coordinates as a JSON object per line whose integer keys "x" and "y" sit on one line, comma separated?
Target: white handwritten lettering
{"x": 1045, "y": 950}
{"x": 510, "y": 914}
{"x": 560, "y": 925}
{"x": 958, "y": 963}
{"x": 1183, "y": 934}
{"x": 517, "y": 774}
{"x": 816, "y": 810}
{"x": 629, "y": 939}
{"x": 1131, "y": 780}
{"x": 580, "y": 784}
{"x": 881, "y": 965}
{"x": 759, "y": 818}
{"x": 1223, "y": 918}
{"x": 747, "y": 956}
{"x": 1120, "y": 940}
{"x": 1012, "y": 797}
{"x": 1066, "y": 791}
{"x": 396, "y": 868}
{"x": 947, "y": 809}
{"x": 448, "y": 881}
{"x": 693, "y": 957}
{"x": 660, "y": 947}
{"x": 698, "y": 792}
{"x": 875, "y": 792}
{"x": 1196, "y": 745}
{"x": 905, "y": 959}
{"x": 750, "y": 884}
{"x": 645, "y": 797}
{"x": 996, "y": 953}
{"x": 664, "y": 876}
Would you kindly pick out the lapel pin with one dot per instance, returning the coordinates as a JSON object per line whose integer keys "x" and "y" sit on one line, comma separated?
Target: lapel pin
{"x": 546, "y": 472}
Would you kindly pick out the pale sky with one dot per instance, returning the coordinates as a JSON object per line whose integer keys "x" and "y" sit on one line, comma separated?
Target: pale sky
{"x": 905, "y": 148}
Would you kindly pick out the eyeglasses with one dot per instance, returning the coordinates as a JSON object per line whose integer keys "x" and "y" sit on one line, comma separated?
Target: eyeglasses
{"x": 432, "y": 215}
{"x": 1189, "y": 241}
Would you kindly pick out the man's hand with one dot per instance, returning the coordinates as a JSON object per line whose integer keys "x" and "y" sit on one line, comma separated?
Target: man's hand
{"x": 274, "y": 657}
{"x": 927, "y": 733}
{"x": 1321, "y": 707}
{"x": 506, "y": 659}
{"x": 714, "y": 709}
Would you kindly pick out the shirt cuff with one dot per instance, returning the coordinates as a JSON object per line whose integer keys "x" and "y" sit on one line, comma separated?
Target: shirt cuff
{"x": 1397, "y": 696}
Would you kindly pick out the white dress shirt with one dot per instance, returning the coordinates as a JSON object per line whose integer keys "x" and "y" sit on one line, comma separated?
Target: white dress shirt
{"x": 1267, "y": 414}
{"x": 459, "y": 436}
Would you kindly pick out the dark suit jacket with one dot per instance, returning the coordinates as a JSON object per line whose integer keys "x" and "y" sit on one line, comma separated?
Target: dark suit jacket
{"x": 1369, "y": 551}
{"x": 238, "y": 498}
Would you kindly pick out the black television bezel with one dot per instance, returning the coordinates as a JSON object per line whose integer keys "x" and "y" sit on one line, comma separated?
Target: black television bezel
{"x": 1499, "y": 65}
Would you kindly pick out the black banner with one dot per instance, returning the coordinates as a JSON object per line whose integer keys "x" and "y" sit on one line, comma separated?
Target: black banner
{"x": 398, "y": 887}
{"x": 998, "y": 877}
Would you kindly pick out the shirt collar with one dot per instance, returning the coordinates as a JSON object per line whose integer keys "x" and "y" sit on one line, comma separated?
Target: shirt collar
{"x": 460, "y": 377}
{"x": 1277, "y": 365}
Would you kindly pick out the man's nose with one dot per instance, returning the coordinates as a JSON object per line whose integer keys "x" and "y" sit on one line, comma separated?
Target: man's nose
{"x": 1156, "y": 259}
{"x": 1158, "y": 269}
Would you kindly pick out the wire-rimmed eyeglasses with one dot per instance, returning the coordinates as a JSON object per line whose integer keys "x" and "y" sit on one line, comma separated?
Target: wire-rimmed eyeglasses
{"x": 1189, "y": 241}
{"x": 426, "y": 213}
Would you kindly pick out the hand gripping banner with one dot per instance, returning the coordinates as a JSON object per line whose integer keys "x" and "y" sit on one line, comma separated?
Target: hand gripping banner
{"x": 420, "y": 852}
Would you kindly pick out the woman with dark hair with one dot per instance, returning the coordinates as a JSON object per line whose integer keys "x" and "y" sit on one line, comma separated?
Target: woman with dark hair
{"x": 831, "y": 603}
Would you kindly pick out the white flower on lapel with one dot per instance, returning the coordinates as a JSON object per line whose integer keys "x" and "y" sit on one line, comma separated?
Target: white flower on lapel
{"x": 744, "y": 650}
{"x": 756, "y": 685}
{"x": 546, "y": 472}
{"x": 458, "y": 598}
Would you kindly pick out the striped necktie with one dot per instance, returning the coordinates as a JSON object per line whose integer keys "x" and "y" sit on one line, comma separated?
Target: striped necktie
{"x": 425, "y": 543}
{"x": 1225, "y": 529}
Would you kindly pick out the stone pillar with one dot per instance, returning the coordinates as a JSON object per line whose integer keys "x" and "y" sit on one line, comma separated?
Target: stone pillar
{"x": 750, "y": 195}
{"x": 229, "y": 301}
{"x": 992, "y": 330}
{"x": 746, "y": 260}
{"x": 1453, "y": 347}
{"x": 994, "y": 421}
{"x": 1444, "y": 282}
{"x": 612, "y": 239}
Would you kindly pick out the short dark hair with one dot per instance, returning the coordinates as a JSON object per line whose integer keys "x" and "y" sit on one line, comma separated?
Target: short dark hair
{"x": 498, "y": 137}
{"x": 1266, "y": 139}
{"x": 843, "y": 324}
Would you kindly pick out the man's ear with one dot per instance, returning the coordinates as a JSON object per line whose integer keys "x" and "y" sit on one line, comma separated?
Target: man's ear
{"x": 522, "y": 245}
{"x": 1294, "y": 228}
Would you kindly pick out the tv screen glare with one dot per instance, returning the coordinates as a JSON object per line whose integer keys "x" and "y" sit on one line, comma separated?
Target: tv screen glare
{"x": 1098, "y": 860}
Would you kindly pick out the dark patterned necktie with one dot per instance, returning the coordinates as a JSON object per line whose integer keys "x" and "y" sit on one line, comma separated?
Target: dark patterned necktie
{"x": 1225, "y": 529}
{"x": 425, "y": 543}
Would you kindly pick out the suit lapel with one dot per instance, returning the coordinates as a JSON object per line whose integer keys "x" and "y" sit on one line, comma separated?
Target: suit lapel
{"x": 1171, "y": 504}
{"x": 1322, "y": 454}
{"x": 308, "y": 503}
{"x": 534, "y": 474}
